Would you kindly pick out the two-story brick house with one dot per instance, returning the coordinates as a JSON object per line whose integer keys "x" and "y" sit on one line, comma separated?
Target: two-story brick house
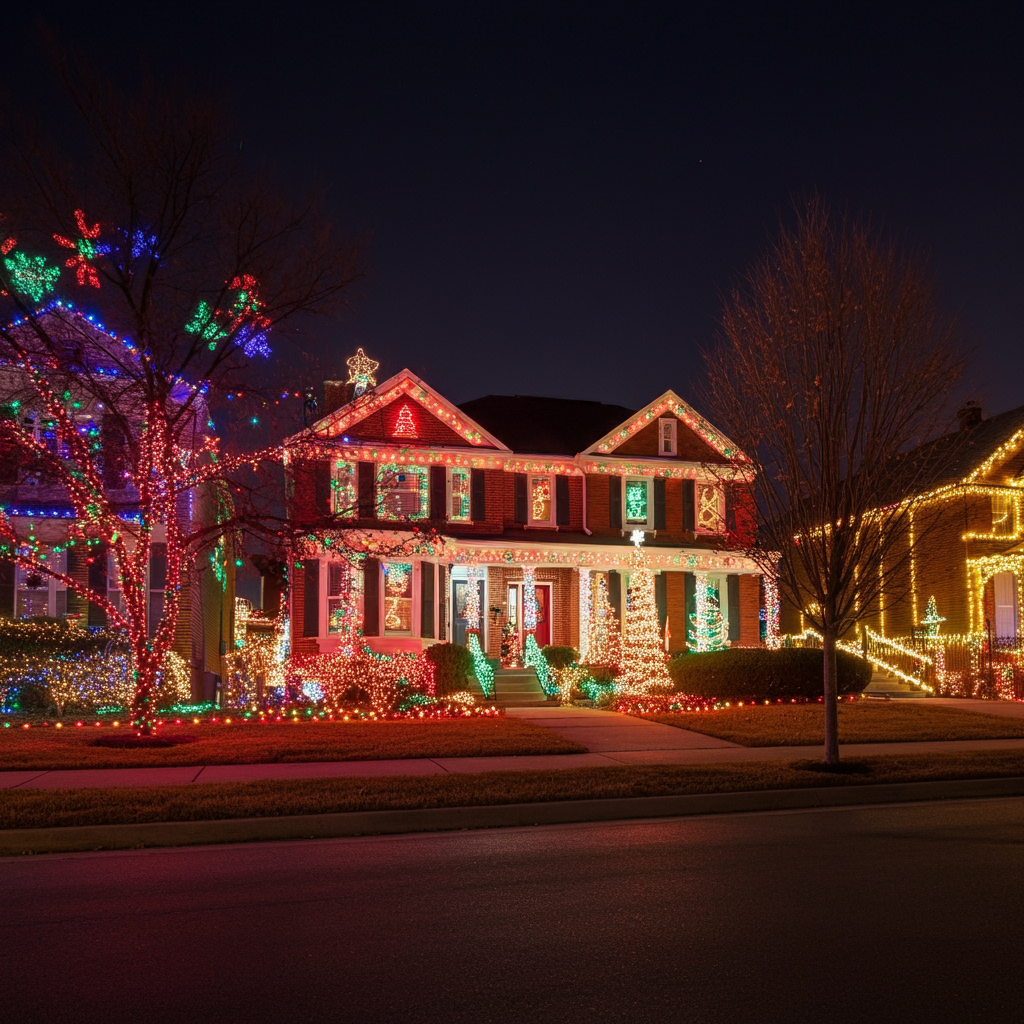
{"x": 552, "y": 486}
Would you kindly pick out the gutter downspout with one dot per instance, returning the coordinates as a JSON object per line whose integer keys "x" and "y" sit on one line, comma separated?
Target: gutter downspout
{"x": 585, "y": 530}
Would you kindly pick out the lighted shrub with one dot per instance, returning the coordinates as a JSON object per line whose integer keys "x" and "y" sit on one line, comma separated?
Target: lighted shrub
{"x": 452, "y": 664}
{"x": 759, "y": 674}
{"x": 560, "y": 657}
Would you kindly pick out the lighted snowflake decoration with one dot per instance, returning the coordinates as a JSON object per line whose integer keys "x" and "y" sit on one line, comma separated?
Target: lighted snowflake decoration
{"x": 86, "y": 249}
{"x": 361, "y": 369}
{"x": 31, "y": 275}
{"x": 637, "y": 537}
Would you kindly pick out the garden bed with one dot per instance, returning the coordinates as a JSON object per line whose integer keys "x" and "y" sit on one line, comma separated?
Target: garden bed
{"x": 47, "y": 808}
{"x": 253, "y": 742}
{"x": 860, "y": 721}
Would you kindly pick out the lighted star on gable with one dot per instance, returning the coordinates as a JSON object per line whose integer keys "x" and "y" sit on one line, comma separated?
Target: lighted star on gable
{"x": 361, "y": 369}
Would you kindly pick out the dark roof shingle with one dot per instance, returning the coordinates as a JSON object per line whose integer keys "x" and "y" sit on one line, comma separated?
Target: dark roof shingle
{"x": 545, "y": 426}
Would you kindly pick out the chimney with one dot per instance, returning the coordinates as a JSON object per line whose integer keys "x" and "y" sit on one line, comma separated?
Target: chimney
{"x": 969, "y": 414}
{"x": 336, "y": 394}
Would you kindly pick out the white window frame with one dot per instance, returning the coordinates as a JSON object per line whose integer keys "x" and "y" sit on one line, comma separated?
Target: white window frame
{"x": 673, "y": 435}
{"x": 530, "y": 520}
{"x": 636, "y": 524}
{"x": 720, "y": 525}
{"x": 414, "y": 598}
{"x": 383, "y": 490}
{"x": 468, "y": 473}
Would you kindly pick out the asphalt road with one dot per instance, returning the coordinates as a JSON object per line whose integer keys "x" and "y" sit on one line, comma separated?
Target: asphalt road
{"x": 903, "y": 913}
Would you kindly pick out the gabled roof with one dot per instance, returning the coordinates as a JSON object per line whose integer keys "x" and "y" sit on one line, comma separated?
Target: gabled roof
{"x": 964, "y": 456}
{"x": 544, "y": 426}
{"x": 670, "y": 403}
{"x": 406, "y": 384}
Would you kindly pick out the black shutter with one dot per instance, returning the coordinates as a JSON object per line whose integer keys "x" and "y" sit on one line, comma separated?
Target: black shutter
{"x": 615, "y": 502}
{"x": 98, "y": 583}
{"x": 561, "y": 500}
{"x": 367, "y": 490}
{"x": 690, "y": 596}
{"x": 311, "y": 597}
{"x": 322, "y": 486}
{"x": 659, "y": 503}
{"x": 478, "y": 495}
{"x": 661, "y": 598}
{"x": 615, "y": 593}
{"x": 6, "y": 588}
{"x": 427, "y": 599}
{"x": 734, "y": 607}
{"x": 371, "y": 597}
{"x": 442, "y": 592}
{"x": 438, "y": 493}
{"x": 689, "y": 506}
{"x": 730, "y": 511}
{"x": 158, "y": 567}
{"x": 519, "y": 513}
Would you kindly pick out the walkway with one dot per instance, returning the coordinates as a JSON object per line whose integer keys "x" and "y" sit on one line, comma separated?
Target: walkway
{"x": 613, "y": 740}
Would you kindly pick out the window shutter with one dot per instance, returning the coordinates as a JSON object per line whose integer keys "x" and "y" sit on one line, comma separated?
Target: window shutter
{"x": 690, "y": 597}
{"x": 442, "y": 594}
{"x": 659, "y": 504}
{"x": 112, "y": 449}
{"x": 730, "y": 510}
{"x": 322, "y": 486}
{"x": 689, "y": 506}
{"x": 311, "y": 597}
{"x": 615, "y": 593}
{"x": 367, "y": 489}
{"x": 615, "y": 502}
{"x": 438, "y": 493}
{"x": 734, "y": 607}
{"x": 371, "y": 597}
{"x": 98, "y": 583}
{"x": 519, "y": 513}
{"x": 562, "y": 500}
{"x": 661, "y": 598}
{"x": 427, "y": 599}
{"x": 478, "y": 495}
{"x": 7, "y": 588}
{"x": 157, "y": 566}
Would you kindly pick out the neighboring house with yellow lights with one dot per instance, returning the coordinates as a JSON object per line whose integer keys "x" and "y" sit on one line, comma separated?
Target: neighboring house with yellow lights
{"x": 522, "y": 492}
{"x": 971, "y": 557}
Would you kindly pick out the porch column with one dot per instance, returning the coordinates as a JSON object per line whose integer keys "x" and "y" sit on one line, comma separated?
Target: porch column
{"x": 585, "y": 609}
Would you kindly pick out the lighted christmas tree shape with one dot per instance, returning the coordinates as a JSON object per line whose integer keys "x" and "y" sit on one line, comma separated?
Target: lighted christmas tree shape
{"x": 604, "y": 641}
{"x": 643, "y": 656}
{"x": 405, "y": 425}
{"x": 932, "y": 618}
{"x": 709, "y": 631}
{"x": 361, "y": 369}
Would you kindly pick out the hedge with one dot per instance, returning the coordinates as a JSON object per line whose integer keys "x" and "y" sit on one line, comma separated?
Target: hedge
{"x": 759, "y": 674}
{"x": 452, "y": 663}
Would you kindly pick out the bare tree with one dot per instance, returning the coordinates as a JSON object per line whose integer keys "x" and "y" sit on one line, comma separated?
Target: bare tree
{"x": 191, "y": 265}
{"x": 833, "y": 362}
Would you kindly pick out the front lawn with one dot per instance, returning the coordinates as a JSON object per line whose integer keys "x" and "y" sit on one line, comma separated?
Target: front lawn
{"x": 49, "y": 808}
{"x": 248, "y": 742}
{"x": 862, "y": 721}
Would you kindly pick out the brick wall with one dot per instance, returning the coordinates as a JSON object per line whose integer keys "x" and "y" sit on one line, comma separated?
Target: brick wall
{"x": 644, "y": 443}
{"x": 564, "y": 603}
{"x": 297, "y": 587}
{"x": 380, "y": 425}
{"x": 675, "y": 602}
{"x": 597, "y": 506}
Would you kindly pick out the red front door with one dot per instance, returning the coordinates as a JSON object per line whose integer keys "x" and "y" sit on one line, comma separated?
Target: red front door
{"x": 543, "y": 591}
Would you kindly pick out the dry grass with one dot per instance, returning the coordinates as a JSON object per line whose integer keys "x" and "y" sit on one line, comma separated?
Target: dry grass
{"x": 254, "y": 743}
{"x": 796, "y": 725}
{"x": 42, "y": 808}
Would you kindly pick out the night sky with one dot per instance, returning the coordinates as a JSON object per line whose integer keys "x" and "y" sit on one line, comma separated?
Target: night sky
{"x": 558, "y": 195}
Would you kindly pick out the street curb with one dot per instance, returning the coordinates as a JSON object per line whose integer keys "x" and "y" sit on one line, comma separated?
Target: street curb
{"x": 80, "y": 838}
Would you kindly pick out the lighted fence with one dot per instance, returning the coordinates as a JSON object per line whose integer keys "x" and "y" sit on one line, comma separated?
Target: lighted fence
{"x": 964, "y": 666}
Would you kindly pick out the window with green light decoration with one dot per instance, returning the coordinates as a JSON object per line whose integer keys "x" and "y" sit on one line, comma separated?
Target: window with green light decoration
{"x": 404, "y": 492}
{"x": 344, "y": 500}
{"x": 458, "y": 490}
{"x": 636, "y": 500}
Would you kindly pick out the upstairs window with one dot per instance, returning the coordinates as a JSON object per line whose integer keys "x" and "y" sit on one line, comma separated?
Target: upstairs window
{"x": 404, "y": 492}
{"x": 710, "y": 509}
{"x": 458, "y": 495}
{"x": 344, "y": 489}
{"x": 637, "y": 501}
{"x": 667, "y": 435}
{"x": 542, "y": 505}
{"x": 1002, "y": 515}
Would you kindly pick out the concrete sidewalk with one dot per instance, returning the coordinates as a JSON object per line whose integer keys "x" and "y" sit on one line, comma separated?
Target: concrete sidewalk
{"x": 612, "y": 739}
